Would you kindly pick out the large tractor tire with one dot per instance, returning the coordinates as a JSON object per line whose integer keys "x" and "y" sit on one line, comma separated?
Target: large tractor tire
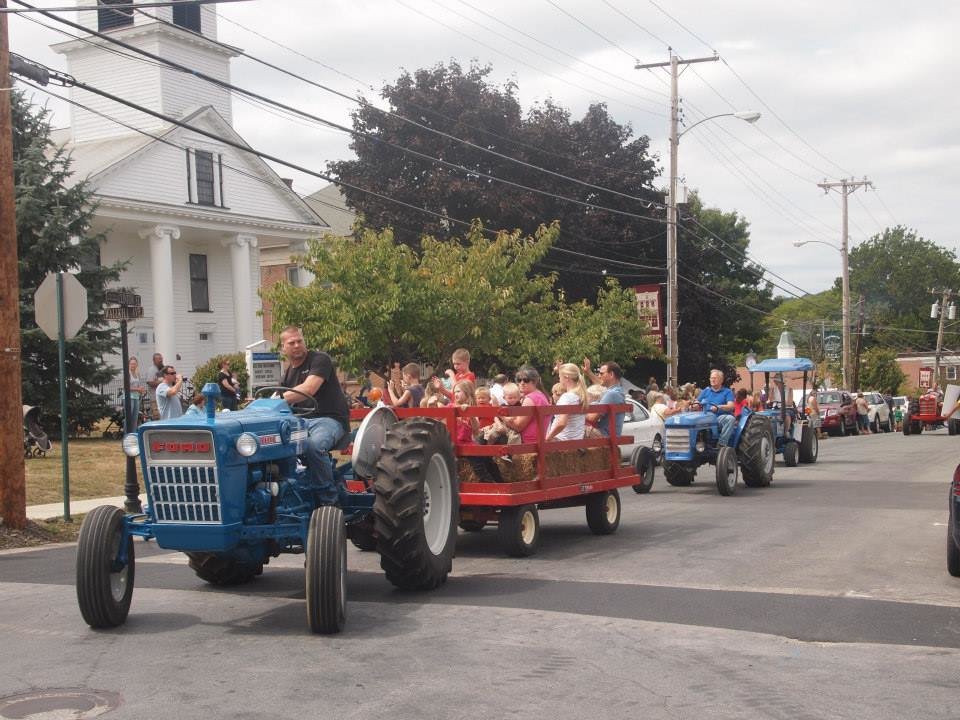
{"x": 644, "y": 463}
{"x": 417, "y": 504}
{"x": 325, "y": 574}
{"x": 222, "y": 570}
{"x": 104, "y": 585}
{"x": 809, "y": 445}
{"x": 726, "y": 471}
{"x": 756, "y": 452}
{"x": 678, "y": 475}
{"x": 953, "y": 427}
{"x": 603, "y": 512}
{"x": 906, "y": 425}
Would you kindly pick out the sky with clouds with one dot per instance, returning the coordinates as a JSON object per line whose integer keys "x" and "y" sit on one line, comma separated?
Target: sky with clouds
{"x": 856, "y": 89}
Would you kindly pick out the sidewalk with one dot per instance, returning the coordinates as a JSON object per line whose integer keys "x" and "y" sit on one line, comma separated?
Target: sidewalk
{"x": 77, "y": 507}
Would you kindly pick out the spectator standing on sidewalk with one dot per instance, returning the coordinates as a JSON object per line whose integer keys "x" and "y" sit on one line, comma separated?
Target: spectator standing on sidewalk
{"x": 863, "y": 414}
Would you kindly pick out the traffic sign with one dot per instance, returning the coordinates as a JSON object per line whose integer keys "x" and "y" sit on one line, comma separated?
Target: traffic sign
{"x": 122, "y": 297}
{"x": 74, "y": 306}
{"x": 123, "y": 312}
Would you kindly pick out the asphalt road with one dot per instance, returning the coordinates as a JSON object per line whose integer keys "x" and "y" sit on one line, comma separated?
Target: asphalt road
{"x": 823, "y": 596}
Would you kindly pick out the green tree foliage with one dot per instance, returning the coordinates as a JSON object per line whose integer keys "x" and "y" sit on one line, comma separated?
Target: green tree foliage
{"x": 209, "y": 371}
{"x": 895, "y": 271}
{"x": 722, "y": 299}
{"x": 374, "y": 302}
{"x": 592, "y": 244}
{"x": 462, "y": 104}
{"x": 880, "y": 371}
{"x": 53, "y": 221}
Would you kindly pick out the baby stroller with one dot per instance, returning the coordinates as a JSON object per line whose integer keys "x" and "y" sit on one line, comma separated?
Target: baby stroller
{"x": 35, "y": 440}
{"x": 114, "y": 429}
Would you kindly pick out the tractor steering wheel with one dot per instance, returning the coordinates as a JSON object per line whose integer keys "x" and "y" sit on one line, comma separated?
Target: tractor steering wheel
{"x": 298, "y": 410}
{"x": 704, "y": 405}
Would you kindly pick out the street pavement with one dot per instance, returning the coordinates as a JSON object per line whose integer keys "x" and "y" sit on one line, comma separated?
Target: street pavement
{"x": 823, "y": 596}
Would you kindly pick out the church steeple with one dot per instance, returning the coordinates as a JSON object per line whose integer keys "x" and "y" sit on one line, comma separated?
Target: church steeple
{"x": 182, "y": 33}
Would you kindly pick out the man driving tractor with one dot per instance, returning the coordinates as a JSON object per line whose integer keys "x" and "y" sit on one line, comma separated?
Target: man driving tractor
{"x": 720, "y": 400}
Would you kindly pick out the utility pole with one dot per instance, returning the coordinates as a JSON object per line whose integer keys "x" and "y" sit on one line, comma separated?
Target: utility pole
{"x": 13, "y": 497}
{"x": 845, "y": 187}
{"x": 943, "y": 311}
{"x": 856, "y": 360}
{"x": 673, "y": 352}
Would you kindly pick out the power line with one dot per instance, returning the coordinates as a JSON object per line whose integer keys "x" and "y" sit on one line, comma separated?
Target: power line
{"x": 80, "y": 8}
{"x": 423, "y": 156}
{"x": 595, "y": 32}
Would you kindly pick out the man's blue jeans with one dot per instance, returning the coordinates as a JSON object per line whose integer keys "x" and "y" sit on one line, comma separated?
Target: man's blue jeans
{"x": 322, "y": 435}
{"x": 727, "y": 424}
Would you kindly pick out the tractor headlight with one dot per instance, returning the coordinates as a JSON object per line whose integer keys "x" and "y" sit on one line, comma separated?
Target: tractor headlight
{"x": 131, "y": 445}
{"x": 701, "y": 444}
{"x": 657, "y": 445}
{"x": 247, "y": 444}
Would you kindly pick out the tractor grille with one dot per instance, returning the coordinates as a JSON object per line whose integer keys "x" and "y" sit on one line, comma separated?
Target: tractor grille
{"x": 184, "y": 493}
{"x": 678, "y": 440}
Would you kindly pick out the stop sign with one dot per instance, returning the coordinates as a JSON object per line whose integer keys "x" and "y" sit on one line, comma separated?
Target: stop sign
{"x": 74, "y": 306}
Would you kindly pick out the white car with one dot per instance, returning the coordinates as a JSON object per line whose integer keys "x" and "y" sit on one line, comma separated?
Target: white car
{"x": 880, "y": 416}
{"x": 647, "y": 431}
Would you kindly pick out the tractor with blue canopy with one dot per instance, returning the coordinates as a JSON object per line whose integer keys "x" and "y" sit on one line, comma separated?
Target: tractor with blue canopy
{"x": 795, "y": 437}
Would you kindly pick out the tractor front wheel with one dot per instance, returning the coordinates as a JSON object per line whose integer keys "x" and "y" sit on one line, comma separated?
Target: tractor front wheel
{"x": 104, "y": 573}
{"x": 726, "y": 471}
{"x": 756, "y": 452}
{"x": 325, "y": 577}
{"x": 791, "y": 454}
{"x": 417, "y": 504}
{"x": 809, "y": 444}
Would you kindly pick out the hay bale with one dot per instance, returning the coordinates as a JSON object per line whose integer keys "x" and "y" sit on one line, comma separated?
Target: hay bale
{"x": 520, "y": 468}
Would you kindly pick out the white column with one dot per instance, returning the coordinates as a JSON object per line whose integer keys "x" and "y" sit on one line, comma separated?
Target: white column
{"x": 161, "y": 239}
{"x": 240, "y": 246}
{"x": 305, "y": 276}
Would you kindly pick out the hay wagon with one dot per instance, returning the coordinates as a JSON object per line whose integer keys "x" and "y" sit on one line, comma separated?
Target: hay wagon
{"x": 530, "y": 477}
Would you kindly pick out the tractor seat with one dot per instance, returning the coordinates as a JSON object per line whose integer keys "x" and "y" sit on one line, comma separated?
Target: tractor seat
{"x": 344, "y": 442}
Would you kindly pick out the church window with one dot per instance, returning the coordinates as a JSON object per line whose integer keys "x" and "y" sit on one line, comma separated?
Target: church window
{"x": 187, "y": 15}
{"x": 199, "y": 285}
{"x": 114, "y": 17}
{"x": 205, "y": 193}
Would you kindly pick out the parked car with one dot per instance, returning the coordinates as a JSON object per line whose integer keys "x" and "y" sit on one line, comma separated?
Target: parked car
{"x": 646, "y": 429}
{"x": 953, "y": 526}
{"x": 838, "y": 413}
{"x": 879, "y": 417}
{"x": 646, "y": 450}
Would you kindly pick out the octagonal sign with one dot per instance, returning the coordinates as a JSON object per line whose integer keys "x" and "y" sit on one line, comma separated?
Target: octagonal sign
{"x": 74, "y": 306}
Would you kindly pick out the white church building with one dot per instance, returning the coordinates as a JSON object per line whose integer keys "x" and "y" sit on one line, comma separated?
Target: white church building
{"x": 194, "y": 218}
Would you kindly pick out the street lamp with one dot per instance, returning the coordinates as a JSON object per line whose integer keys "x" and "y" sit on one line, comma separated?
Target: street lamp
{"x": 845, "y": 316}
{"x": 672, "y": 314}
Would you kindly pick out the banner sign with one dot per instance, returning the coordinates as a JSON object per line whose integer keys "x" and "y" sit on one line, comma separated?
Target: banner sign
{"x": 264, "y": 369}
{"x": 648, "y": 307}
{"x": 926, "y": 377}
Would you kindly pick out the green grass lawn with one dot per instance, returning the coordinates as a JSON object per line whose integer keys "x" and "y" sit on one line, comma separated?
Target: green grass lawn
{"x": 97, "y": 469}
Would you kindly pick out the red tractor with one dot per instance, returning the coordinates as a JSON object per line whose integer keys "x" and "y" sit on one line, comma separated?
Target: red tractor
{"x": 927, "y": 411}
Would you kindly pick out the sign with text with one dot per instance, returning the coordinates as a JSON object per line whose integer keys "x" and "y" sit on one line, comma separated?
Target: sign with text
{"x": 648, "y": 307}
{"x": 926, "y": 377}
{"x": 264, "y": 369}
{"x": 124, "y": 312}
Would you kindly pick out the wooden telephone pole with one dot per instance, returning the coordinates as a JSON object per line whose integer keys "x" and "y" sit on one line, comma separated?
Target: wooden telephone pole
{"x": 13, "y": 496}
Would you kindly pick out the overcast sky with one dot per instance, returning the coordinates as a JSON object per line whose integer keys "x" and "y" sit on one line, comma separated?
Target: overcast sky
{"x": 855, "y": 89}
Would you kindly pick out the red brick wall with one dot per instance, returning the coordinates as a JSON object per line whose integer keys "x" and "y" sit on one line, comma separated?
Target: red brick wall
{"x": 270, "y": 276}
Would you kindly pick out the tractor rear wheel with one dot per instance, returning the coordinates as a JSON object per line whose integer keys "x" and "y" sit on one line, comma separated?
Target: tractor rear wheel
{"x": 325, "y": 577}
{"x": 644, "y": 463}
{"x": 756, "y": 452}
{"x": 906, "y": 424}
{"x": 417, "y": 504}
{"x": 809, "y": 445}
{"x": 916, "y": 427}
{"x": 222, "y": 570}
{"x": 678, "y": 475}
{"x": 104, "y": 585}
{"x": 603, "y": 512}
{"x": 727, "y": 471}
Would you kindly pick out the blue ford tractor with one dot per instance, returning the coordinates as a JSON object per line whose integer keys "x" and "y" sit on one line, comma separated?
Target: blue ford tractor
{"x": 692, "y": 440}
{"x": 227, "y": 489}
{"x": 799, "y": 443}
